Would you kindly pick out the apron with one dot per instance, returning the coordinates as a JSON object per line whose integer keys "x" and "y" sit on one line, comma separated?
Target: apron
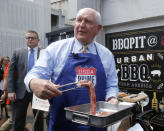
{"x": 77, "y": 67}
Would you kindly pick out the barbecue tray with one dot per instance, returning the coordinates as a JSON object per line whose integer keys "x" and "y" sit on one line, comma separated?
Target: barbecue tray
{"x": 81, "y": 113}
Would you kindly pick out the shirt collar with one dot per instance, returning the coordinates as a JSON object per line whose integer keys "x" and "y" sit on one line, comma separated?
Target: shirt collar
{"x": 78, "y": 47}
{"x": 35, "y": 49}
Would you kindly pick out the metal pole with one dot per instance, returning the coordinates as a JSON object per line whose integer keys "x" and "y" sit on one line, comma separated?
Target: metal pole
{"x": 35, "y": 118}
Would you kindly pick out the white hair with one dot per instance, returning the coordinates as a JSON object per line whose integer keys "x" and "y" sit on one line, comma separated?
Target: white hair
{"x": 96, "y": 13}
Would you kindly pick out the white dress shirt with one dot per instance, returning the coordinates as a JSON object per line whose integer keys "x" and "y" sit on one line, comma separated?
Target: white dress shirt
{"x": 52, "y": 61}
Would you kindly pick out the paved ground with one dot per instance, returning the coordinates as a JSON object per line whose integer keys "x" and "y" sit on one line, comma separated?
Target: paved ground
{"x": 28, "y": 121}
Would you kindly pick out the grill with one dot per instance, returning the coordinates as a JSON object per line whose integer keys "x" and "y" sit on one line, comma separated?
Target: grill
{"x": 158, "y": 120}
{"x": 151, "y": 120}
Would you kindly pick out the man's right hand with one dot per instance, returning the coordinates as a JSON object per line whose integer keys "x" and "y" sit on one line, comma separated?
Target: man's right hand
{"x": 12, "y": 96}
{"x": 44, "y": 89}
{"x": 3, "y": 96}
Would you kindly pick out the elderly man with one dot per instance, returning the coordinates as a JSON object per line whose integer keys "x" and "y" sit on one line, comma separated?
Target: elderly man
{"x": 70, "y": 60}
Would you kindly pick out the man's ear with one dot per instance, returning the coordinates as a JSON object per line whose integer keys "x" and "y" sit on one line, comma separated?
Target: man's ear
{"x": 99, "y": 27}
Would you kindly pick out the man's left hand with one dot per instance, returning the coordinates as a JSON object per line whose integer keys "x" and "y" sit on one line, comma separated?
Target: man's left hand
{"x": 113, "y": 101}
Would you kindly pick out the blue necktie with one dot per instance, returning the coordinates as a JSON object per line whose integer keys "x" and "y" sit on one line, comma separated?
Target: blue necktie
{"x": 31, "y": 59}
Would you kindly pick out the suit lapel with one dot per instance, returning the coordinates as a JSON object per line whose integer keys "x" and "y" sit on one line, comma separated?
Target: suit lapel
{"x": 38, "y": 53}
{"x": 25, "y": 56}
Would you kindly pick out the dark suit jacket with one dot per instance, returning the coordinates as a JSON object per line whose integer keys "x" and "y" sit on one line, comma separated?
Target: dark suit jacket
{"x": 1, "y": 72}
{"x": 17, "y": 72}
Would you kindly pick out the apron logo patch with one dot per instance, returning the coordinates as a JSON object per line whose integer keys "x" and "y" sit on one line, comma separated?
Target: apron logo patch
{"x": 85, "y": 73}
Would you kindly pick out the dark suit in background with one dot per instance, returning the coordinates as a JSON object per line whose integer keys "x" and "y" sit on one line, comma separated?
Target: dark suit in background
{"x": 15, "y": 85}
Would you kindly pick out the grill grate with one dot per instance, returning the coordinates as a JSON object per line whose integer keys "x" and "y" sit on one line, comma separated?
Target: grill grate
{"x": 157, "y": 120}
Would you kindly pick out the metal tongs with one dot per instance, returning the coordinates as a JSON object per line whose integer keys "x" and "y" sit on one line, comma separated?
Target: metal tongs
{"x": 73, "y": 83}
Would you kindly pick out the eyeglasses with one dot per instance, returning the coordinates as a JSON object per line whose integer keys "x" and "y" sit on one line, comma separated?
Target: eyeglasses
{"x": 31, "y": 38}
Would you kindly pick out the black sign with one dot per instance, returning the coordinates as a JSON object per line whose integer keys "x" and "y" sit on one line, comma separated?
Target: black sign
{"x": 60, "y": 33}
{"x": 139, "y": 58}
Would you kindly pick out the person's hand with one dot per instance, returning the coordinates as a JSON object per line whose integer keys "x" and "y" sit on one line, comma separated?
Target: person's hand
{"x": 3, "y": 97}
{"x": 113, "y": 101}
{"x": 44, "y": 89}
{"x": 12, "y": 96}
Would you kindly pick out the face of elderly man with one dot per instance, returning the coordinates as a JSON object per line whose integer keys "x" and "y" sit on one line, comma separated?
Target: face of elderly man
{"x": 86, "y": 26}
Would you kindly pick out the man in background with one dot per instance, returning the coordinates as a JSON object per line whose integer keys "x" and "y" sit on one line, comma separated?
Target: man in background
{"x": 21, "y": 62}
